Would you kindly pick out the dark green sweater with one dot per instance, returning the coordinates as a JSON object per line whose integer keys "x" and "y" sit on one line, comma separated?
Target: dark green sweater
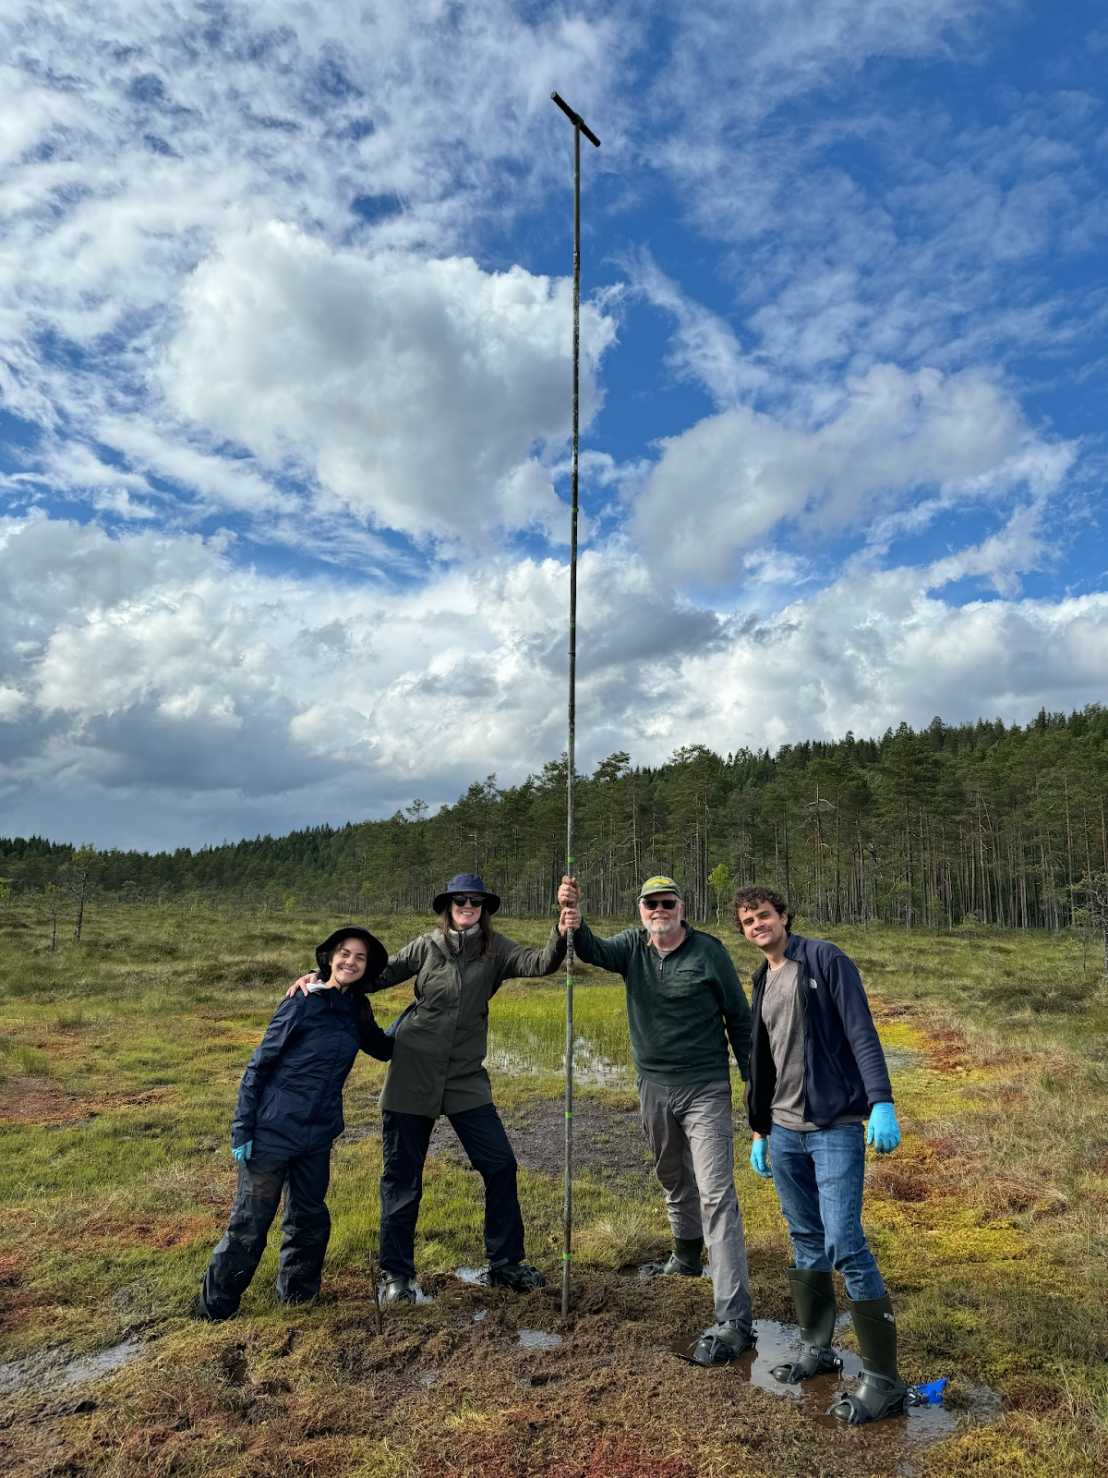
{"x": 677, "y": 1004}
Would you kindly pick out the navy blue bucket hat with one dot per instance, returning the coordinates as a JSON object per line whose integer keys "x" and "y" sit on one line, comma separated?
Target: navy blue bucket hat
{"x": 377, "y": 956}
{"x": 465, "y": 882}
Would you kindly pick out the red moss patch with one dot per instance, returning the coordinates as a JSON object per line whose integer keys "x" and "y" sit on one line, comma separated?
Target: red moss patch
{"x": 35, "y": 1100}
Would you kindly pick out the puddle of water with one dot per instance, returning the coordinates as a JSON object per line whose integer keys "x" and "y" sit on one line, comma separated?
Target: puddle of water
{"x": 480, "y": 1316}
{"x": 476, "y": 1277}
{"x": 538, "y": 1339}
{"x": 52, "y": 1372}
{"x": 589, "y": 1064}
{"x": 897, "y": 1437}
{"x": 902, "y": 1058}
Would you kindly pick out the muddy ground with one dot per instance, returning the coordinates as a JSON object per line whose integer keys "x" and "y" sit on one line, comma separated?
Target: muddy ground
{"x": 448, "y": 1389}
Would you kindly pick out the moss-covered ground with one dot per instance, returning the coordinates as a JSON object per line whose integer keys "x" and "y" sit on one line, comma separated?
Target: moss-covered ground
{"x": 119, "y": 1060}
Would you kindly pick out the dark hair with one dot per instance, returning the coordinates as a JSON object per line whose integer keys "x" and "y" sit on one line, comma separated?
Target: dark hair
{"x": 751, "y": 897}
{"x": 446, "y": 919}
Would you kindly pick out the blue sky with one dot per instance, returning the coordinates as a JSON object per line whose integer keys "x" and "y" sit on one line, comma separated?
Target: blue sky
{"x": 284, "y": 372}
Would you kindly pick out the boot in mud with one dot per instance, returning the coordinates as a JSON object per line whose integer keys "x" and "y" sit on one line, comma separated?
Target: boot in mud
{"x": 722, "y": 1343}
{"x": 683, "y": 1262}
{"x": 399, "y": 1290}
{"x": 814, "y": 1300}
{"x": 520, "y": 1277}
{"x": 880, "y": 1392}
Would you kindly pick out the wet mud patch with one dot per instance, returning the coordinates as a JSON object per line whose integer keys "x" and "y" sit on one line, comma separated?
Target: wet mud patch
{"x": 607, "y": 1139}
{"x": 481, "y": 1382}
{"x": 897, "y": 1438}
{"x": 55, "y": 1370}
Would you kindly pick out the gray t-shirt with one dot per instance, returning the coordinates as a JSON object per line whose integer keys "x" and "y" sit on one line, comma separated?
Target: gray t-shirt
{"x": 784, "y": 1022}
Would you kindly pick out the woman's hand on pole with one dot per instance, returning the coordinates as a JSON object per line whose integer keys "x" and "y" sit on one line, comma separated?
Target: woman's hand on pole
{"x": 570, "y": 919}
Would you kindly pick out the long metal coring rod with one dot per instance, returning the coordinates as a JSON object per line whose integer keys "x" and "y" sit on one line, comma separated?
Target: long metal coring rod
{"x": 579, "y": 127}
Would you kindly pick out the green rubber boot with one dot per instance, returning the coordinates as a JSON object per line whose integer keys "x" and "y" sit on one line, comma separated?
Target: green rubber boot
{"x": 880, "y": 1392}
{"x": 814, "y": 1300}
{"x": 683, "y": 1262}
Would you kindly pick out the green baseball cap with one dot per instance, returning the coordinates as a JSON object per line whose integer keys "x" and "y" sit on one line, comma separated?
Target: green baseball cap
{"x": 660, "y": 885}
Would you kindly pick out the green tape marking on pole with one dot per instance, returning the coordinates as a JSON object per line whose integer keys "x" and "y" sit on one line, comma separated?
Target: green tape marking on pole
{"x": 567, "y": 1256}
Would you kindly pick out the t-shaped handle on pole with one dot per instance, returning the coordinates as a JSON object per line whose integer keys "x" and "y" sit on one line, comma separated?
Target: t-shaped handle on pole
{"x": 579, "y": 127}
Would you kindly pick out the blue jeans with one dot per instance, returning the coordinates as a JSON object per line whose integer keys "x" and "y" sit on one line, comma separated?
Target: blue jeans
{"x": 819, "y": 1177}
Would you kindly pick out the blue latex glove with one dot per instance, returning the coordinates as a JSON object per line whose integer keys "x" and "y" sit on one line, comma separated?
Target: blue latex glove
{"x": 929, "y": 1393}
{"x": 243, "y": 1152}
{"x": 883, "y": 1131}
{"x": 759, "y": 1158}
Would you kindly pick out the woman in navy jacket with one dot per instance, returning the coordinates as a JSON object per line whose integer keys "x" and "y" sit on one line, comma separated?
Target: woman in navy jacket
{"x": 289, "y": 1112}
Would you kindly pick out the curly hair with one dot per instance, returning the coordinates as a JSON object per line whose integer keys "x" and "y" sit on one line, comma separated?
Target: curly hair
{"x": 751, "y": 897}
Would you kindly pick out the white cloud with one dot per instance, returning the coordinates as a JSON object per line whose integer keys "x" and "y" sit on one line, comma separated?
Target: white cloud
{"x": 204, "y": 696}
{"x": 704, "y": 347}
{"x": 415, "y": 392}
{"x": 220, "y": 480}
{"x": 739, "y": 474}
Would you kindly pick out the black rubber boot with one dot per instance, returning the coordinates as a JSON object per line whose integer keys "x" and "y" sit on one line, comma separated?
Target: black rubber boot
{"x": 814, "y": 1300}
{"x": 880, "y": 1392}
{"x": 520, "y": 1277}
{"x": 683, "y": 1262}
{"x": 722, "y": 1343}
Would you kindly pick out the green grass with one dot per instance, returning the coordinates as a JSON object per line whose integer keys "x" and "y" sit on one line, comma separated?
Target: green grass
{"x": 119, "y": 1063}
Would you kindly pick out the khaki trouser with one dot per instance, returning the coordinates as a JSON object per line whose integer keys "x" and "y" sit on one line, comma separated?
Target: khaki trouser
{"x": 689, "y": 1133}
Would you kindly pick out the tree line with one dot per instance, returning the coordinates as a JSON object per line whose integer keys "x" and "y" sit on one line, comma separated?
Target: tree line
{"x": 1004, "y": 825}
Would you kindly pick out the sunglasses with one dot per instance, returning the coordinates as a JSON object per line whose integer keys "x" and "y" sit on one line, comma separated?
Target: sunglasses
{"x": 659, "y": 902}
{"x": 463, "y": 900}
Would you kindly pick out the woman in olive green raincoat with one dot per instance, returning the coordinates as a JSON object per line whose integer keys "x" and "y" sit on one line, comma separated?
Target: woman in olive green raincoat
{"x": 438, "y": 1067}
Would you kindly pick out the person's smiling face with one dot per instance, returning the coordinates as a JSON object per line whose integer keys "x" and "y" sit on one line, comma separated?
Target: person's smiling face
{"x": 348, "y": 961}
{"x": 763, "y": 926}
{"x": 661, "y": 913}
{"x": 465, "y": 909}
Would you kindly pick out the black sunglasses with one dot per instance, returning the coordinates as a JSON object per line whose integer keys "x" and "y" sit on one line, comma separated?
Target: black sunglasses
{"x": 461, "y": 899}
{"x": 659, "y": 902}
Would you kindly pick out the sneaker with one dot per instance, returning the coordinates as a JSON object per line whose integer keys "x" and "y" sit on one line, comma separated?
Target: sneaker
{"x": 520, "y": 1277}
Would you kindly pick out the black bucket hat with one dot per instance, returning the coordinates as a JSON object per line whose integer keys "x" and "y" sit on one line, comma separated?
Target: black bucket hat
{"x": 465, "y": 882}
{"x": 377, "y": 956}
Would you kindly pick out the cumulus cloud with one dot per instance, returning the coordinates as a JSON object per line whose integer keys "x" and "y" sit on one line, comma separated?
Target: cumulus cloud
{"x": 877, "y": 648}
{"x": 258, "y": 302}
{"x": 739, "y": 474}
{"x": 415, "y": 392}
{"x": 200, "y": 695}
{"x": 169, "y": 672}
